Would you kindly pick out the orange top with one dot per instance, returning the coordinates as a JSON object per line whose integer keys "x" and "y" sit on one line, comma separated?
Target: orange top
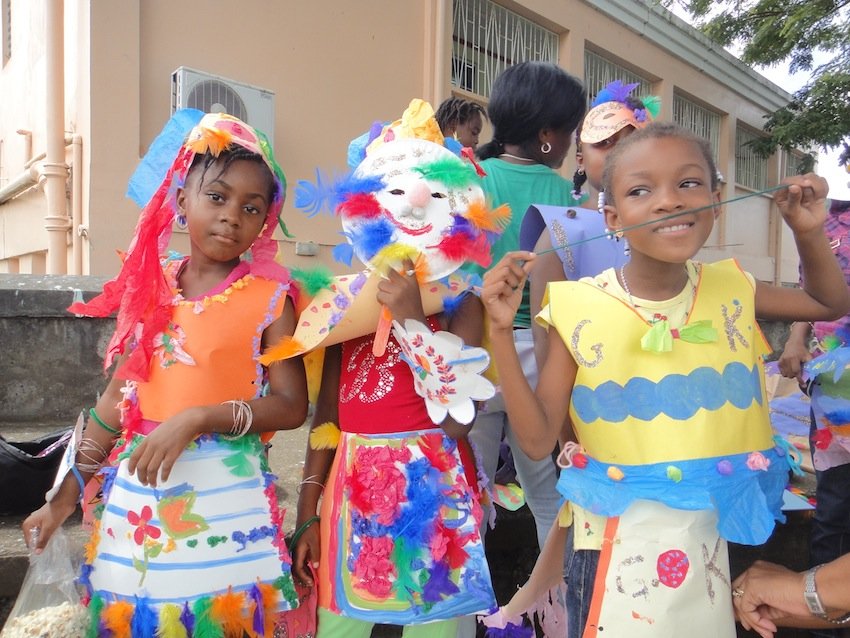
{"x": 208, "y": 354}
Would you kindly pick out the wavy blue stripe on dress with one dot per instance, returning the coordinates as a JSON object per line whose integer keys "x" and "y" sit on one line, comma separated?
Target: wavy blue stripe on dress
{"x": 135, "y": 488}
{"x": 121, "y": 512}
{"x": 679, "y": 396}
{"x": 219, "y": 562}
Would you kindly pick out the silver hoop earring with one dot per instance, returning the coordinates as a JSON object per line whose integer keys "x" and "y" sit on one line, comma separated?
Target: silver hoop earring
{"x": 180, "y": 220}
{"x": 546, "y": 148}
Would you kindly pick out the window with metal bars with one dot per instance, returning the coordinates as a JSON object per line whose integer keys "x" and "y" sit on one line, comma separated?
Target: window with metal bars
{"x": 487, "y": 38}
{"x": 750, "y": 168}
{"x": 793, "y": 162}
{"x": 599, "y": 71}
{"x": 694, "y": 117}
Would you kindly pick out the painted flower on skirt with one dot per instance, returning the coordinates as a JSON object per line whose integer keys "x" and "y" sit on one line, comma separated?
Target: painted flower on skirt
{"x": 373, "y": 568}
{"x": 377, "y": 485}
{"x": 143, "y": 529}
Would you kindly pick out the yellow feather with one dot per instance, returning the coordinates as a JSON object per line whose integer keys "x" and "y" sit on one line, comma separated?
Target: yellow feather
{"x": 169, "y": 623}
{"x": 116, "y": 617}
{"x": 324, "y": 436}
{"x": 283, "y": 349}
{"x": 485, "y": 219}
{"x": 392, "y": 255}
{"x": 313, "y": 363}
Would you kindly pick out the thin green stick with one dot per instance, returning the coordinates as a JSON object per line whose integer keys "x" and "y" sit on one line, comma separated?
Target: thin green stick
{"x": 690, "y": 211}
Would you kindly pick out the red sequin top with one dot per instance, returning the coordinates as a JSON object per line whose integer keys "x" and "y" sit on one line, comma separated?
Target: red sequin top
{"x": 376, "y": 394}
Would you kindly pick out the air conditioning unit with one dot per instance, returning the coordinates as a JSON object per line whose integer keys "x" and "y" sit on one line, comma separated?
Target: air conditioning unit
{"x": 214, "y": 94}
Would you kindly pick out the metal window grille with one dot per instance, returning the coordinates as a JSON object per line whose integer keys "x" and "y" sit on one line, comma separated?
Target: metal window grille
{"x": 599, "y": 71}
{"x": 750, "y": 168}
{"x": 696, "y": 118}
{"x": 793, "y": 163}
{"x": 487, "y": 38}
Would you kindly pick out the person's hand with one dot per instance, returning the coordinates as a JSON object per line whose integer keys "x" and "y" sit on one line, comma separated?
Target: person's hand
{"x": 154, "y": 458}
{"x": 766, "y": 592}
{"x": 792, "y": 359}
{"x": 307, "y": 548}
{"x": 399, "y": 291}
{"x": 39, "y": 526}
{"x": 502, "y": 290}
{"x": 803, "y": 203}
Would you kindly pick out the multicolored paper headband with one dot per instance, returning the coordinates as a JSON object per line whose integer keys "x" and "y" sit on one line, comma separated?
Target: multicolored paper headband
{"x": 140, "y": 292}
{"x": 614, "y": 109}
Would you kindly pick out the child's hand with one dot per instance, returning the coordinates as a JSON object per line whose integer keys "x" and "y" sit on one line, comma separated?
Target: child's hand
{"x": 39, "y": 526}
{"x": 306, "y": 549}
{"x": 791, "y": 362}
{"x": 154, "y": 457}
{"x": 502, "y": 291}
{"x": 399, "y": 291}
{"x": 803, "y": 203}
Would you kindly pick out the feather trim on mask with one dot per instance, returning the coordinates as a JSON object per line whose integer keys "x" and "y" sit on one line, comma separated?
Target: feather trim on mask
{"x": 451, "y": 171}
{"x": 392, "y": 255}
{"x": 362, "y": 205}
{"x": 370, "y": 237}
{"x": 614, "y": 91}
{"x": 484, "y": 218}
{"x": 312, "y": 280}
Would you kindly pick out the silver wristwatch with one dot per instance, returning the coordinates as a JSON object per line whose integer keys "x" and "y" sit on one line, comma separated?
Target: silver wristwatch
{"x": 813, "y": 601}
{"x": 810, "y": 593}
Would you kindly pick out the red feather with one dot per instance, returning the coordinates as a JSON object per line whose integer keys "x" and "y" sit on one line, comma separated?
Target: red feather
{"x": 360, "y": 205}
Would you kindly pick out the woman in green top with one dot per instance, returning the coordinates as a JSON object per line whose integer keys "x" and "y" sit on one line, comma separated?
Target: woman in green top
{"x": 535, "y": 108}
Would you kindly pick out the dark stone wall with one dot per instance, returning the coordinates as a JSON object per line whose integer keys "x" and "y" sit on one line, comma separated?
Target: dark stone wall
{"x": 50, "y": 360}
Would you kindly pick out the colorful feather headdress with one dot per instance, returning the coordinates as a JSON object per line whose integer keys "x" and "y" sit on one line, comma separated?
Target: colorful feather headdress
{"x": 398, "y": 159}
{"x": 614, "y": 109}
{"x": 409, "y": 197}
{"x": 140, "y": 293}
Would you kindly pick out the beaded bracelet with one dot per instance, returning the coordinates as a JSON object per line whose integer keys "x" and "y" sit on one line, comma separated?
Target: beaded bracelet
{"x": 303, "y": 528}
{"x": 102, "y": 423}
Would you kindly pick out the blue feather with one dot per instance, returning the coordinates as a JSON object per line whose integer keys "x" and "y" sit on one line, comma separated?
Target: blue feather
{"x": 188, "y": 619}
{"x": 314, "y": 198}
{"x": 370, "y": 237}
{"x": 144, "y": 622}
{"x": 614, "y": 91}
{"x": 451, "y": 304}
{"x": 349, "y": 185}
{"x": 343, "y": 253}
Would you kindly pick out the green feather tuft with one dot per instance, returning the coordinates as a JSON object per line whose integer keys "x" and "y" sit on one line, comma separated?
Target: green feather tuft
{"x": 205, "y": 624}
{"x": 652, "y": 104}
{"x": 312, "y": 280}
{"x": 95, "y": 608}
{"x": 450, "y": 171}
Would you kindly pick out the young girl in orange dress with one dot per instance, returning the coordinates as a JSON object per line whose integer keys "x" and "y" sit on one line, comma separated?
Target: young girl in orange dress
{"x": 189, "y": 538}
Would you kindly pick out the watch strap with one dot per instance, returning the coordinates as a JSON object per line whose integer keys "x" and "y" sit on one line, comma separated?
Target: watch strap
{"x": 810, "y": 594}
